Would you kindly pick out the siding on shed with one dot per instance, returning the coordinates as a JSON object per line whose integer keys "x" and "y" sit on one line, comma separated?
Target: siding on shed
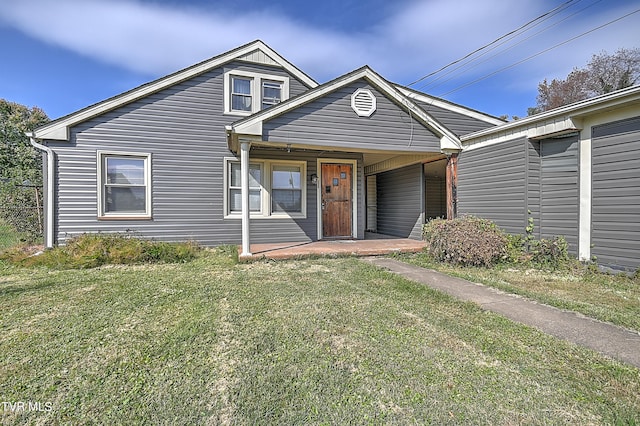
{"x": 615, "y": 234}
{"x": 183, "y": 128}
{"x": 400, "y": 202}
{"x": 491, "y": 184}
{"x": 331, "y": 120}
{"x": 559, "y": 189}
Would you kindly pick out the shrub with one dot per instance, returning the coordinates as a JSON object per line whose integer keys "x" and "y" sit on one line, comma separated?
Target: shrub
{"x": 93, "y": 250}
{"x": 550, "y": 252}
{"x": 465, "y": 241}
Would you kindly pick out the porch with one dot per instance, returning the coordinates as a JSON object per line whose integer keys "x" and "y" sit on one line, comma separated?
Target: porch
{"x": 373, "y": 245}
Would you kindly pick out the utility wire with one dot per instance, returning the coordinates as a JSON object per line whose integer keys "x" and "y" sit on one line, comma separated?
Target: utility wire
{"x": 432, "y": 85}
{"x": 538, "y": 54}
{"x": 563, "y": 5}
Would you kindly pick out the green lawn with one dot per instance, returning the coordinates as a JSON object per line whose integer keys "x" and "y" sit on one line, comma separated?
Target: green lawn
{"x": 327, "y": 341}
{"x": 611, "y": 298}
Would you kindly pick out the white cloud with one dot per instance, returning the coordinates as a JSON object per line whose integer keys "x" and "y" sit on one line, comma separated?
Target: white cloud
{"x": 419, "y": 37}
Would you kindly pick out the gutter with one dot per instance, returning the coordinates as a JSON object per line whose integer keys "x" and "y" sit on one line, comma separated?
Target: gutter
{"x": 48, "y": 240}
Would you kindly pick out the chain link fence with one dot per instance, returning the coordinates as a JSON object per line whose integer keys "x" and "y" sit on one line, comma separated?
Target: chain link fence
{"x": 21, "y": 214}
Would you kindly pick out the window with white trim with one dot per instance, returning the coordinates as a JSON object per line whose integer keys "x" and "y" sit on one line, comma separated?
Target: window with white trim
{"x": 271, "y": 93}
{"x": 277, "y": 188}
{"x": 124, "y": 185}
{"x": 235, "y": 190}
{"x": 248, "y": 92}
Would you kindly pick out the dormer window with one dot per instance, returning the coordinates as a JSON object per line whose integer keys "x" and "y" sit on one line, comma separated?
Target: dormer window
{"x": 271, "y": 93}
{"x": 247, "y": 93}
{"x": 241, "y": 94}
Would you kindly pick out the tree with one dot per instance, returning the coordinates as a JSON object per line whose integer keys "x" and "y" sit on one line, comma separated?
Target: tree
{"x": 20, "y": 170}
{"x": 18, "y": 159}
{"x": 603, "y": 74}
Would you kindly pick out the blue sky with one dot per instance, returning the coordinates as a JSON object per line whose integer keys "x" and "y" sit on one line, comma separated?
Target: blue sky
{"x": 63, "y": 55}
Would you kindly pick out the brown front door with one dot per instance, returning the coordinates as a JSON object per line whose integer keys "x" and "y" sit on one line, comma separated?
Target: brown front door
{"x": 336, "y": 200}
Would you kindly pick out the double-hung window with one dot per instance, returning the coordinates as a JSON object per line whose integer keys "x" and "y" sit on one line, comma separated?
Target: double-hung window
{"x": 286, "y": 188}
{"x": 276, "y": 188}
{"x": 235, "y": 190}
{"x": 241, "y": 98}
{"x": 271, "y": 93}
{"x": 124, "y": 185}
{"x": 249, "y": 92}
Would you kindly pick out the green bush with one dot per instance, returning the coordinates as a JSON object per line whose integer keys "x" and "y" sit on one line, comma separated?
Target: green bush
{"x": 550, "y": 252}
{"x": 466, "y": 241}
{"x": 93, "y": 250}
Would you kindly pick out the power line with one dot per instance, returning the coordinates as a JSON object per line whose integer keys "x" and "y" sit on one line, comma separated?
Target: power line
{"x": 432, "y": 84}
{"x": 538, "y": 54}
{"x": 553, "y": 11}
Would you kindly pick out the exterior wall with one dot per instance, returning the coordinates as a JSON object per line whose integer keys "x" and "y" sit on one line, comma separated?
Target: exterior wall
{"x": 533, "y": 185}
{"x": 331, "y": 120}
{"x": 615, "y": 234}
{"x": 491, "y": 184}
{"x": 559, "y": 189}
{"x": 183, "y": 129}
{"x": 400, "y": 202}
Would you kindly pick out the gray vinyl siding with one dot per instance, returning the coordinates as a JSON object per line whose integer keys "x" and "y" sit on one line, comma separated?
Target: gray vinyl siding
{"x": 559, "y": 189}
{"x": 491, "y": 184}
{"x": 330, "y": 120}
{"x": 400, "y": 202}
{"x": 615, "y": 234}
{"x": 458, "y": 123}
{"x": 183, "y": 128}
{"x": 533, "y": 185}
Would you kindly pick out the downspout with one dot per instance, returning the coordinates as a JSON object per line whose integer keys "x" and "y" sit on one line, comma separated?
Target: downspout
{"x": 48, "y": 240}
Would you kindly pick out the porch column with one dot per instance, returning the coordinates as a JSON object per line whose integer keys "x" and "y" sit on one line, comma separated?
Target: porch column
{"x": 246, "y": 210}
{"x": 452, "y": 185}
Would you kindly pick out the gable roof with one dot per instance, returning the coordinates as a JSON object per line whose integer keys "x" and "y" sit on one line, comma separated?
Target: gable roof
{"x": 256, "y": 51}
{"x": 252, "y": 125}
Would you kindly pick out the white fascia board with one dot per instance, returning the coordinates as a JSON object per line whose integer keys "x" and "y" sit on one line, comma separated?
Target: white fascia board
{"x": 59, "y": 129}
{"x": 563, "y": 114}
{"x": 440, "y": 103}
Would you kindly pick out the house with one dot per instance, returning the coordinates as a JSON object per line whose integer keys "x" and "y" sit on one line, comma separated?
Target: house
{"x": 247, "y": 148}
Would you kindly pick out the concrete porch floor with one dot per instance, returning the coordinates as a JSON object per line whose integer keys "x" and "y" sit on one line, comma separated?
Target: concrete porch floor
{"x": 372, "y": 245}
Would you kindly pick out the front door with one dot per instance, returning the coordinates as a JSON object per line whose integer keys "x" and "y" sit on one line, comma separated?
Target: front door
{"x": 336, "y": 200}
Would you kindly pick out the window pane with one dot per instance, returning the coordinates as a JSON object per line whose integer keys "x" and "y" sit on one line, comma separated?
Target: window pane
{"x": 125, "y": 171}
{"x": 286, "y": 200}
{"x": 286, "y": 177}
{"x": 240, "y": 103}
{"x": 241, "y": 86}
{"x": 255, "y": 175}
{"x": 235, "y": 200}
{"x": 125, "y": 200}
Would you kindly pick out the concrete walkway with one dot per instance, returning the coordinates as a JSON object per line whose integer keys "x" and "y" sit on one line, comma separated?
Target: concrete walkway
{"x": 608, "y": 339}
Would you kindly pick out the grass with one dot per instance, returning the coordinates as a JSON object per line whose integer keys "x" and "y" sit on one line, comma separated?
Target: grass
{"x": 323, "y": 341}
{"x": 611, "y": 298}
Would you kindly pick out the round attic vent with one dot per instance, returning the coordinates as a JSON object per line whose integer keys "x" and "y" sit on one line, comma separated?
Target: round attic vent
{"x": 363, "y": 102}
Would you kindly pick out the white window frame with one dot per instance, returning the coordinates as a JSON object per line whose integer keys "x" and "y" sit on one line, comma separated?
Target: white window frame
{"x": 228, "y": 188}
{"x": 267, "y": 170}
{"x": 257, "y": 80}
{"x": 101, "y": 184}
